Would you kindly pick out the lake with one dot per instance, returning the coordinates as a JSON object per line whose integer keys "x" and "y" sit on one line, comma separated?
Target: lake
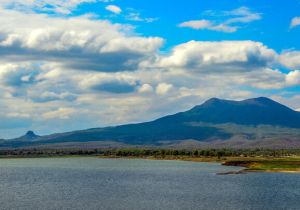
{"x": 94, "y": 183}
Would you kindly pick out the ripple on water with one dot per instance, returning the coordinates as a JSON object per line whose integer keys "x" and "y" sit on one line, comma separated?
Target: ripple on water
{"x": 92, "y": 183}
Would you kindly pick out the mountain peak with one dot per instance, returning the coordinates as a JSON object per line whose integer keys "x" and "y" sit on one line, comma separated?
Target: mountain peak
{"x": 30, "y": 134}
{"x": 261, "y": 100}
{"x": 216, "y": 119}
{"x": 254, "y": 111}
{"x": 213, "y": 101}
{"x": 258, "y": 101}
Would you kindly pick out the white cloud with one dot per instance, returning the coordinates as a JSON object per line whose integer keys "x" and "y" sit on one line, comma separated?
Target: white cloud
{"x": 48, "y": 96}
{"x": 265, "y": 78}
{"x": 242, "y": 15}
{"x": 286, "y": 98}
{"x": 60, "y": 113}
{"x": 197, "y": 24}
{"x": 234, "y": 19}
{"x": 290, "y": 59}
{"x": 57, "y": 6}
{"x": 14, "y": 75}
{"x": 163, "y": 88}
{"x": 76, "y": 42}
{"x": 295, "y": 22}
{"x": 293, "y": 78}
{"x": 136, "y": 16}
{"x": 114, "y": 9}
{"x": 112, "y": 83}
{"x": 221, "y": 56}
{"x": 145, "y": 88}
{"x": 206, "y": 24}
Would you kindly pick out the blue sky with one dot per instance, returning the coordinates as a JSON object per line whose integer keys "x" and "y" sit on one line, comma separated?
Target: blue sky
{"x": 68, "y": 65}
{"x": 273, "y": 29}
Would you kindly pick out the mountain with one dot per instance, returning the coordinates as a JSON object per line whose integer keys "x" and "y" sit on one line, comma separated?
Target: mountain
{"x": 29, "y": 136}
{"x": 215, "y": 122}
{"x": 256, "y": 111}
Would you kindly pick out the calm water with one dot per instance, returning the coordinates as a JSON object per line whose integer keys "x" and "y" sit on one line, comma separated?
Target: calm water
{"x": 92, "y": 183}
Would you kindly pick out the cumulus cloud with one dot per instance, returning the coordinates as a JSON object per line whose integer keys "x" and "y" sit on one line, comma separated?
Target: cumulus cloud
{"x": 114, "y": 9}
{"x": 115, "y": 86}
{"x": 111, "y": 83}
{"x": 145, "y": 88}
{"x": 293, "y": 78}
{"x": 76, "y": 42}
{"x": 234, "y": 19}
{"x": 221, "y": 56}
{"x": 265, "y": 78}
{"x": 295, "y": 22}
{"x": 163, "y": 88}
{"x": 18, "y": 75}
{"x": 290, "y": 59}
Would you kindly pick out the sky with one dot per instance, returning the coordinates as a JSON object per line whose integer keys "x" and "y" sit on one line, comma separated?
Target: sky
{"x": 76, "y": 64}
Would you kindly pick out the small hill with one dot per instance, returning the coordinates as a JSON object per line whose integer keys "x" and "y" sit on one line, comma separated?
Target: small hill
{"x": 29, "y": 136}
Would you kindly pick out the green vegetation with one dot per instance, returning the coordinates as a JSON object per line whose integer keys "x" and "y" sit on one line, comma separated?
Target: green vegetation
{"x": 290, "y": 164}
{"x": 154, "y": 152}
{"x": 140, "y": 152}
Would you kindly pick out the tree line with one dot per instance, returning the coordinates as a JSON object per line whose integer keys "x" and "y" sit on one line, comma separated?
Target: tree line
{"x": 148, "y": 152}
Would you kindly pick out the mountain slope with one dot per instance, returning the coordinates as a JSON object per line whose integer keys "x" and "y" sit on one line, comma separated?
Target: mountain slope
{"x": 214, "y": 120}
{"x": 255, "y": 111}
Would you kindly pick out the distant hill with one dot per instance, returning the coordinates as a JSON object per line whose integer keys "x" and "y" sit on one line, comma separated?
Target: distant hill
{"x": 29, "y": 136}
{"x": 217, "y": 122}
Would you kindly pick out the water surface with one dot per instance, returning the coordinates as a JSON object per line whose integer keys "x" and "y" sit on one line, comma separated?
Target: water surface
{"x": 93, "y": 183}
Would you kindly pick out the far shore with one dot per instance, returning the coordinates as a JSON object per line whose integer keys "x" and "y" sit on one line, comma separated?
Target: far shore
{"x": 251, "y": 164}
{"x": 289, "y": 164}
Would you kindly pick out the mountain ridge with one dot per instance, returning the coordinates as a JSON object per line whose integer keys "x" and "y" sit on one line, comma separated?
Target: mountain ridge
{"x": 252, "y": 111}
{"x": 214, "y": 120}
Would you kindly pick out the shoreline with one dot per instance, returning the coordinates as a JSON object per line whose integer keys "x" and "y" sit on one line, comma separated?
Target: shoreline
{"x": 267, "y": 166}
{"x": 251, "y": 164}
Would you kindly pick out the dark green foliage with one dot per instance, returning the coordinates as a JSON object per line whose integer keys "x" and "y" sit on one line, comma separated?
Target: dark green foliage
{"x": 219, "y": 153}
